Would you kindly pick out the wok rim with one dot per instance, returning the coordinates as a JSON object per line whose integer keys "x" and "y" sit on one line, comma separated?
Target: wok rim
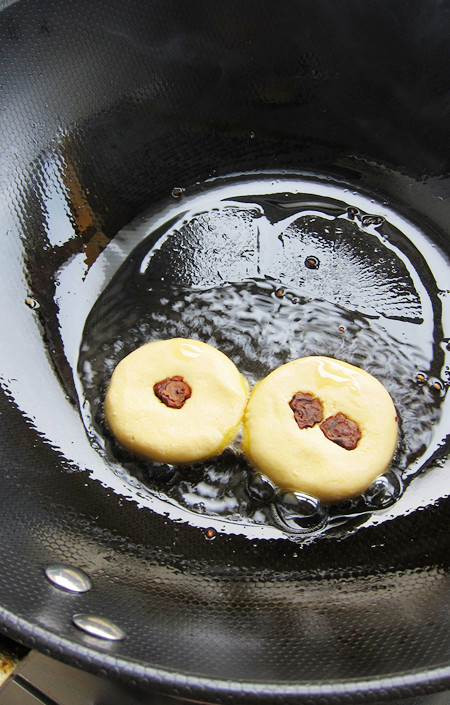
{"x": 179, "y": 685}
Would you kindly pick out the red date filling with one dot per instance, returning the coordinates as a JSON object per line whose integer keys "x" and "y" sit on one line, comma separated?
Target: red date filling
{"x": 172, "y": 391}
{"x": 308, "y": 410}
{"x": 341, "y": 430}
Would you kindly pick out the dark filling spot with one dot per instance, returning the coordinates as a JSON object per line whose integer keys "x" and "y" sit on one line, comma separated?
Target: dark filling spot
{"x": 341, "y": 430}
{"x": 308, "y": 410}
{"x": 172, "y": 391}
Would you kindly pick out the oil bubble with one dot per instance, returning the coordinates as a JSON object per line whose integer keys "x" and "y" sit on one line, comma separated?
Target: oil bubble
{"x": 260, "y": 488}
{"x": 437, "y": 387}
{"x": 375, "y": 220}
{"x": 177, "y": 191}
{"x": 164, "y": 473}
{"x": 299, "y": 512}
{"x": 210, "y": 534}
{"x": 312, "y": 262}
{"x": 384, "y": 491}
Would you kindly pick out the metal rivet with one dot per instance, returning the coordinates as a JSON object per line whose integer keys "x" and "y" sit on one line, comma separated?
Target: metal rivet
{"x": 68, "y": 578}
{"x": 100, "y": 627}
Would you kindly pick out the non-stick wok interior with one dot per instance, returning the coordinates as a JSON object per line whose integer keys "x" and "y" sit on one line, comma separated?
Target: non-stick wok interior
{"x": 106, "y": 108}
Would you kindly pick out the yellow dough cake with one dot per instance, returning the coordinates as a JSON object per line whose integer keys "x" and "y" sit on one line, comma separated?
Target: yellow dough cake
{"x": 320, "y": 426}
{"x": 176, "y": 401}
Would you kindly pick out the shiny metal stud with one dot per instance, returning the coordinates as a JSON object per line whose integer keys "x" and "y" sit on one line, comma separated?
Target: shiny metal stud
{"x": 100, "y": 627}
{"x": 68, "y": 578}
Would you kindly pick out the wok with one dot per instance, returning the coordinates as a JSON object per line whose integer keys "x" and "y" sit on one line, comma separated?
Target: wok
{"x": 106, "y": 108}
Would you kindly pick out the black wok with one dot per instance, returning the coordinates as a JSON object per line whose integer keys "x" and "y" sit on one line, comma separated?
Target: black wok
{"x": 105, "y": 108}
